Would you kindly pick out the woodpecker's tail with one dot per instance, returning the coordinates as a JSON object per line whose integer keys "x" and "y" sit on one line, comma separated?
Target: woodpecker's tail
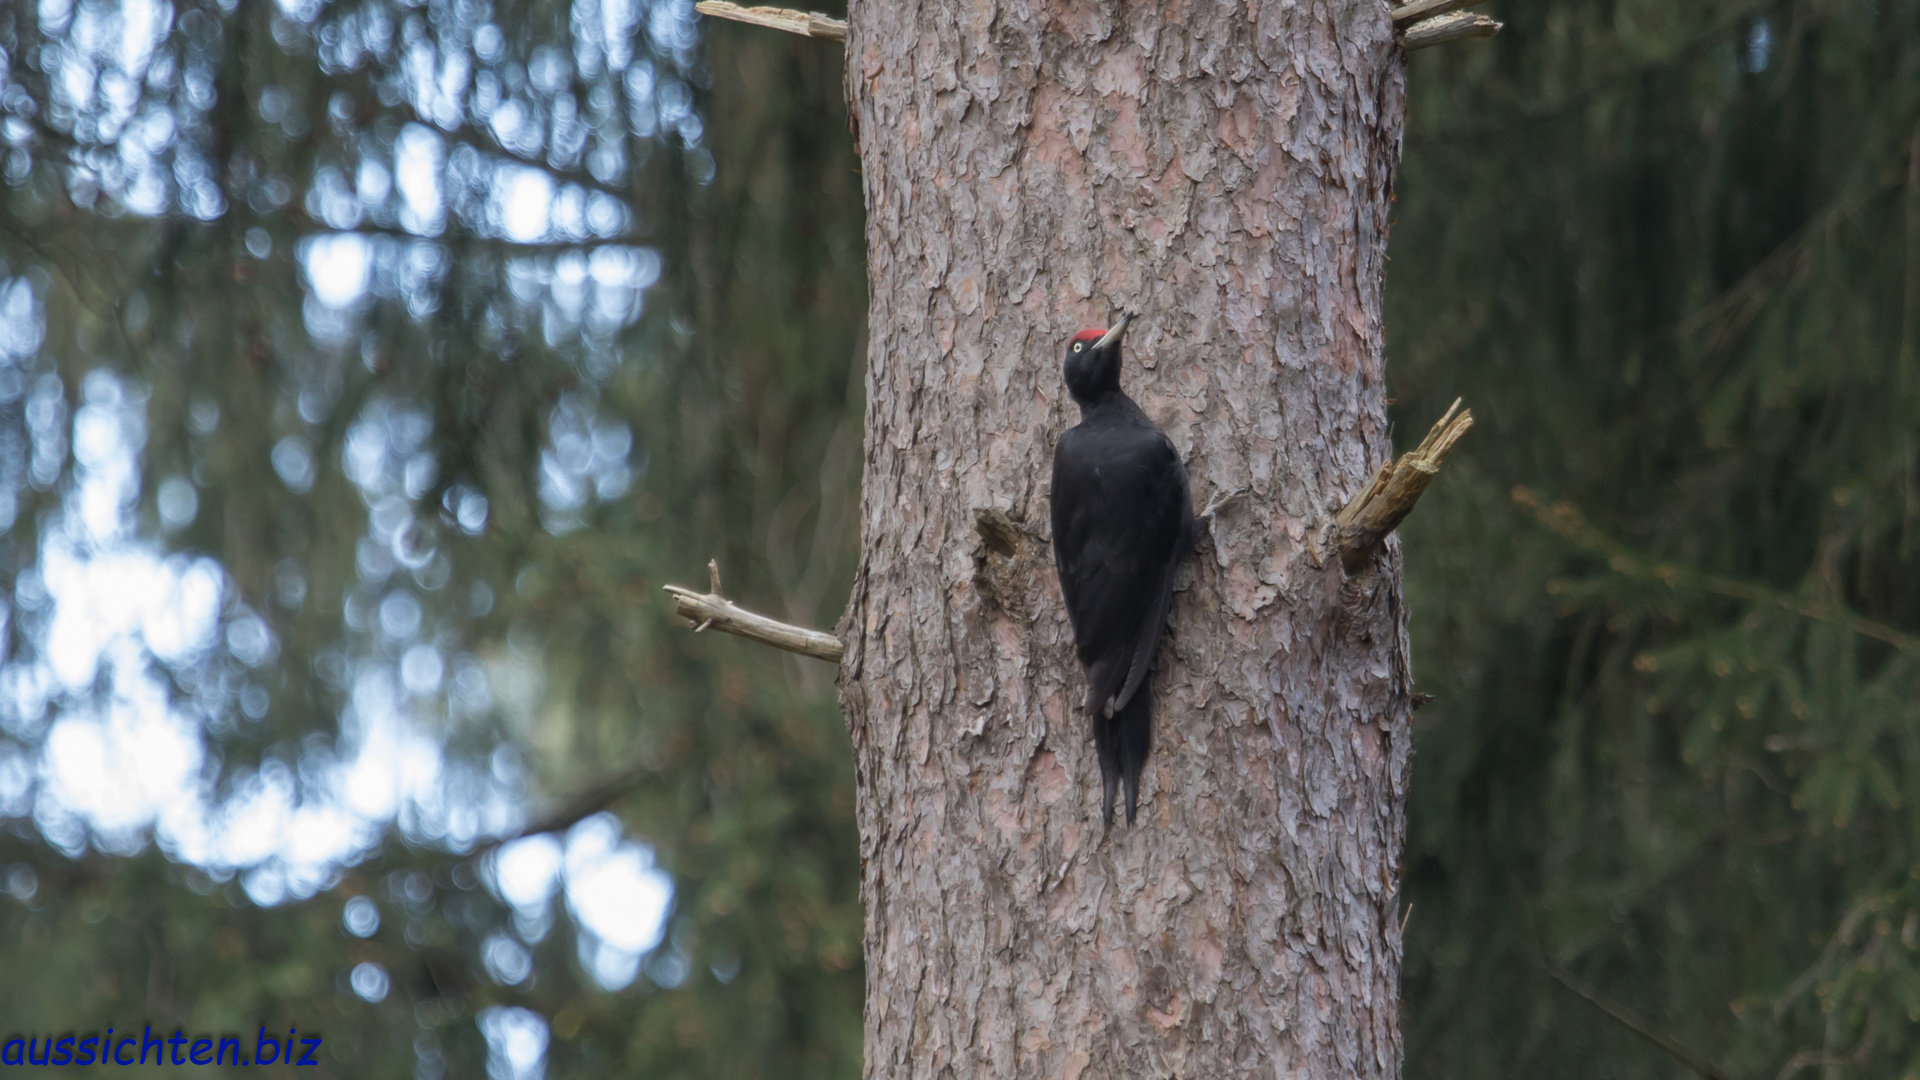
{"x": 1122, "y": 741}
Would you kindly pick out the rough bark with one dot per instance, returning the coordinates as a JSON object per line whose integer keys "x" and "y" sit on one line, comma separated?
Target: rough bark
{"x": 1030, "y": 168}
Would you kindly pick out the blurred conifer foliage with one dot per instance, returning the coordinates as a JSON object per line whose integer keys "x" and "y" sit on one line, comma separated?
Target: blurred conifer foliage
{"x": 1670, "y": 604}
{"x": 365, "y": 369}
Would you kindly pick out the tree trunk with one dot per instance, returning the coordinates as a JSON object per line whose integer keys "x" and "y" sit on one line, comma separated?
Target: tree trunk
{"x": 1032, "y": 167}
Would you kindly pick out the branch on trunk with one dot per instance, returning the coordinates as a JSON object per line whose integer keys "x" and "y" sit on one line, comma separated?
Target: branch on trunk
{"x": 1630, "y": 1020}
{"x": 1378, "y": 510}
{"x": 804, "y": 23}
{"x": 1426, "y": 9}
{"x": 716, "y": 611}
{"x": 1445, "y": 28}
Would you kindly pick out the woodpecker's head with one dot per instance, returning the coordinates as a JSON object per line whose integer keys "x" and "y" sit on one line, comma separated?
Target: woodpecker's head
{"x": 1093, "y": 362}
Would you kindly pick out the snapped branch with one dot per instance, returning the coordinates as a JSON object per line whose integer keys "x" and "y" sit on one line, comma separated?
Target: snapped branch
{"x": 719, "y": 613}
{"x": 804, "y": 23}
{"x": 1444, "y": 28}
{"x": 1371, "y": 515}
{"x": 1426, "y": 9}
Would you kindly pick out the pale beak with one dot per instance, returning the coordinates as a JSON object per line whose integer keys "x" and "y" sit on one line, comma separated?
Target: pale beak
{"x": 1114, "y": 335}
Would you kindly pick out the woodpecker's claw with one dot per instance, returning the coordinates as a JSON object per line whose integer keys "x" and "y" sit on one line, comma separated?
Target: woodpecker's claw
{"x": 1218, "y": 503}
{"x": 1222, "y": 500}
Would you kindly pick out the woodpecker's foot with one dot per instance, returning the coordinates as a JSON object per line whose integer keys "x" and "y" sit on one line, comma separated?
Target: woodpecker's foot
{"x": 1219, "y": 502}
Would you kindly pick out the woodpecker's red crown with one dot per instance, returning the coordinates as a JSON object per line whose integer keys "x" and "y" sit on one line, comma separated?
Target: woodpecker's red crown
{"x": 1088, "y": 335}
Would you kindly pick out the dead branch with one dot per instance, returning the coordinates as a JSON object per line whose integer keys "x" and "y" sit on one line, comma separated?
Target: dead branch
{"x": 716, "y": 611}
{"x": 1445, "y": 28}
{"x": 1424, "y": 9}
{"x": 804, "y": 23}
{"x": 1377, "y": 511}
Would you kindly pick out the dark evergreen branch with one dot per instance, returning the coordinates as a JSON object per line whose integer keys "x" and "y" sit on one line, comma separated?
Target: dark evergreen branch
{"x": 1805, "y": 1059}
{"x": 1632, "y": 1021}
{"x": 1565, "y": 518}
{"x": 1842, "y": 937}
{"x": 1731, "y": 21}
{"x": 1724, "y": 318}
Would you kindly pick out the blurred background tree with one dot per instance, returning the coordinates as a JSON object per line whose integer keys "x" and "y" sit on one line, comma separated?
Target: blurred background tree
{"x": 1670, "y": 253}
{"x": 366, "y": 367}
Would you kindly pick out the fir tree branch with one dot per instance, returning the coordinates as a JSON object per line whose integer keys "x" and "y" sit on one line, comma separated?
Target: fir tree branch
{"x": 716, "y": 611}
{"x": 1565, "y": 518}
{"x": 1632, "y": 1021}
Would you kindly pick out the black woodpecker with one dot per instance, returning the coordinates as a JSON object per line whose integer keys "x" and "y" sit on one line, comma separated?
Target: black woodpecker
{"x": 1122, "y": 521}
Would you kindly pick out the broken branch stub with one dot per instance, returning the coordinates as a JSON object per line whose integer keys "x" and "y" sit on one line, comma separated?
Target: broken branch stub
{"x": 1365, "y": 521}
{"x": 1445, "y": 28}
{"x": 804, "y": 23}
{"x": 999, "y": 532}
{"x": 1424, "y": 9}
{"x": 711, "y": 610}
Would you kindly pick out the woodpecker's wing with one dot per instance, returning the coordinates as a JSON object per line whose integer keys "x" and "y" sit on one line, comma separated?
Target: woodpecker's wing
{"x": 1122, "y": 520}
{"x": 1170, "y": 506}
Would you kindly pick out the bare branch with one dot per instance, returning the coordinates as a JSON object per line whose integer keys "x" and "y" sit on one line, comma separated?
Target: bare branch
{"x": 1628, "y": 1019}
{"x": 804, "y": 23}
{"x": 1439, "y": 31}
{"x": 716, "y": 611}
{"x": 1421, "y": 9}
{"x": 1378, "y": 510}
{"x": 577, "y": 807}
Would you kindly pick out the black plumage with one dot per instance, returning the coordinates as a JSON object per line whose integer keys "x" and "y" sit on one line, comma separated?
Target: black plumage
{"x": 1122, "y": 521}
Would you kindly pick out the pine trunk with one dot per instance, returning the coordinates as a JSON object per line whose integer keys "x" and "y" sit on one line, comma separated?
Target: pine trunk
{"x": 1032, "y": 167}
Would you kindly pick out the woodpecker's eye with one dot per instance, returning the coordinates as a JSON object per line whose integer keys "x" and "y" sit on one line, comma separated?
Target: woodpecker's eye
{"x": 1076, "y": 346}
